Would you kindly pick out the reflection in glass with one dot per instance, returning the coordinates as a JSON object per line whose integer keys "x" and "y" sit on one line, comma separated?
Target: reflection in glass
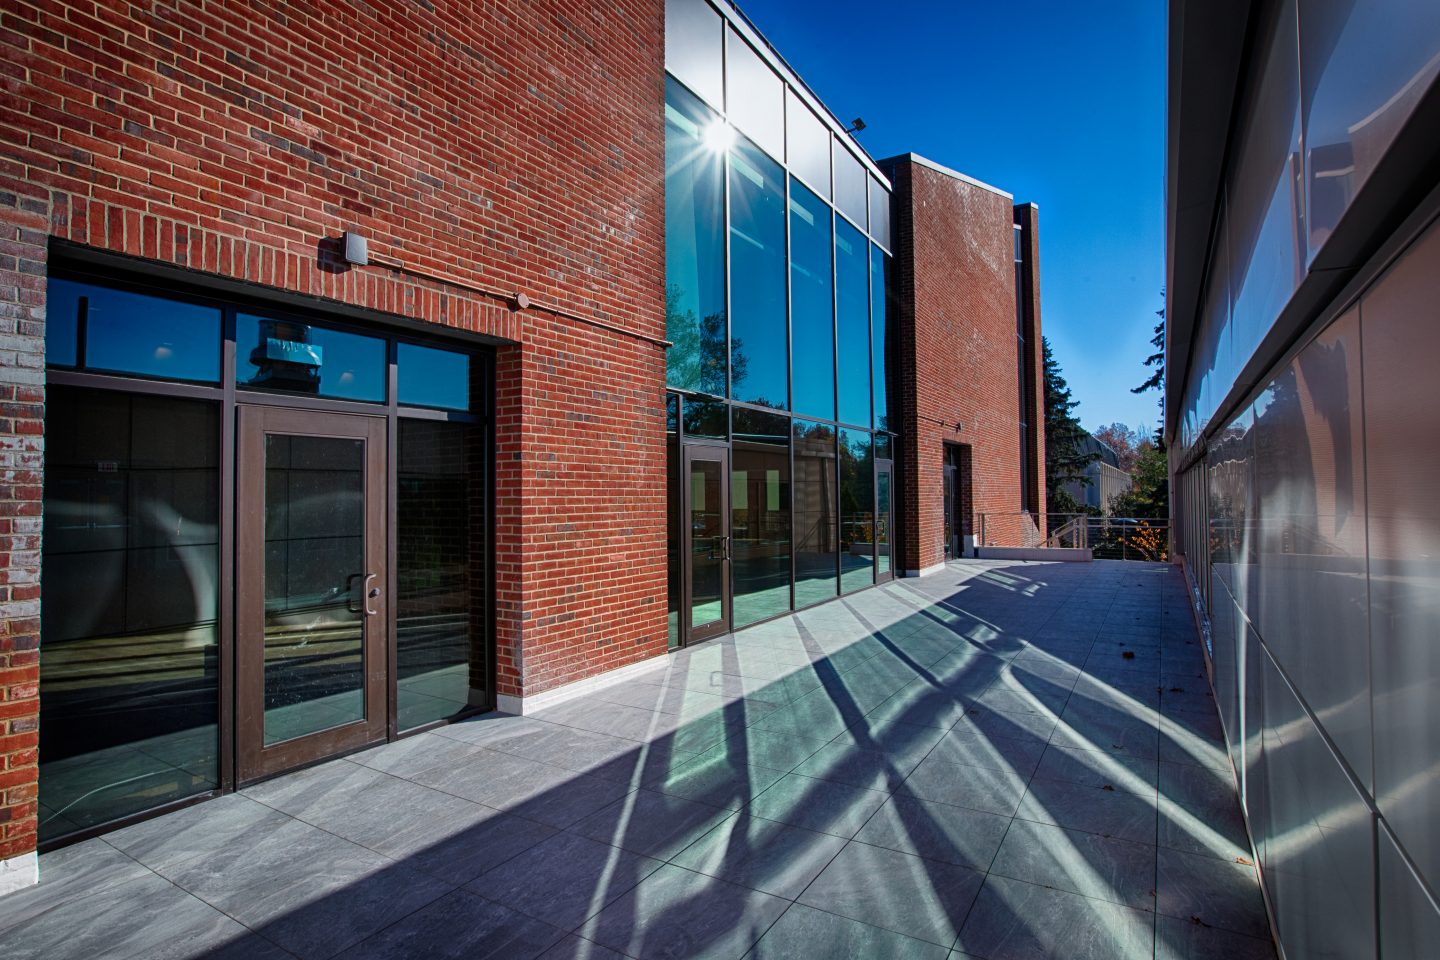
{"x": 758, "y": 354}
{"x": 812, "y": 303}
{"x": 440, "y": 550}
{"x": 694, "y": 244}
{"x": 293, "y": 357}
{"x": 807, "y": 144}
{"x": 314, "y": 584}
{"x": 693, "y": 37}
{"x": 673, "y": 525}
{"x": 816, "y": 534}
{"x": 857, "y": 511}
{"x": 760, "y": 515}
{"x": 754, "y": 95}
{"x": 879, "y": 336}
{"x": 707, "y": 548}
{"x": 850, "y": 177}
{"x": 707, "y": 419}
{"x": 97, "y": 328}
{"x": 879, "y": 212}
{"x": 429, "y": 377}
{"x": 128, "y": 683}
{"x": 883, "y": 517}
{"x": 852, "y": 322}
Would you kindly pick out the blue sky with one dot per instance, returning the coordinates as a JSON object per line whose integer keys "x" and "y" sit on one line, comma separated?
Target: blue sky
{"x": 1060, "y": 103}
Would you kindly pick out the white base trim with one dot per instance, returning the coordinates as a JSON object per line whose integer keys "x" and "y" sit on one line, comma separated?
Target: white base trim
{"x": 520, "y": 706}
{"x": 925, "y": 572}
{"x": 19, "y": 872}
{"x": 1063, "y": 554}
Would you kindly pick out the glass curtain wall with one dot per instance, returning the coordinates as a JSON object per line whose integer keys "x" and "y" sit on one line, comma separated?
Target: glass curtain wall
{"x": 776, "y": 299}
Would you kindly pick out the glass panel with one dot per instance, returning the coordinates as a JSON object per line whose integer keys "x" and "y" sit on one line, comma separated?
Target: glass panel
{"x": 857, "y": 511}
{"x": 427, "y": 377}
{"x": 440, "y": 548}
{"x": 707, "y": 550}
{"x": 97, "y": 328}
{"x": 807, "y": 144}
{"x": 693, "y": 35}
{"x": 707, "y": 419}
{"x": 882, "y": 522}
{"x": 816, "y": 533}
{"x": 758, "y": 354}
{"x": 884, "y": 447}
{"x": 754, "y": 96}
{"x": 812, "y": 303}
{"x": 314, "y": 583}
{"x": 673, "y": 525}
{"x": 1364, "y": 68}
{"x": 130, "y": 562}
{"x": 695, "y": 145}
{"x": 849, "y": 184}
{"x": 760, "y": 515}
{"x": 879, "y": 212}
{"x": 852, "y": 322}
{"x": 292, "y": 357}
{"x": 879, "y": 336}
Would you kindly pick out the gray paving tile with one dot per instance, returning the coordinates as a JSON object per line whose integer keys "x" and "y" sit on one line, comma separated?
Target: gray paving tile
{"x": 1110, "y": 813}
{"x": 717, "y": 779}
{"x": 1085, "y": 863}
{"x": 848, "y": 763}
{"x": 1098, "y": 768}
{"x": 773, "y": 750}
{"x": 1177, "y": 939}
{"x": 528, "y": 788}
{"x": 460, "y": 926}
{"x": 761, "y": 854}
{"x": 821, "y": 805}
{"x": 964, "y": 743}
{"x": 343, "y": 894}
{"x": 652, "y": 824}
{"x": 578, "y": 948}
{"x": 908, "y": 741}
{"x": 991, "y": 789}
{"x": 69, "y": 874}
{"x": 405, "y": 758}
{"x": 936, "y": 831}
{"x": 924, "y": 899}
{"x": 564, "y": 880}
{"x": 1200, "y": 812}
{"x": 143, "y": 917}
{"x": 1014, "y": 920}
{"x": 676, "y": 912}
{"x": 806, "y": 932}
{"x": 1012, "y": 726}
{"x": 202, "y": 830}
{"x": 1220, "y": 894}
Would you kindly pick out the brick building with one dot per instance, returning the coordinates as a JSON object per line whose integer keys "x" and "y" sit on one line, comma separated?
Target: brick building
{"x": 334, "y": 352}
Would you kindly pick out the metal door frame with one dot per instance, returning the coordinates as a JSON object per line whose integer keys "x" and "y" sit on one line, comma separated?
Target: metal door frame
{"x": 715, "y": 452}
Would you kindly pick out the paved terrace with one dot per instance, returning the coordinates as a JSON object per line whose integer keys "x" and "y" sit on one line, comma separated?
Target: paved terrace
{"x": 1003, "y": 760}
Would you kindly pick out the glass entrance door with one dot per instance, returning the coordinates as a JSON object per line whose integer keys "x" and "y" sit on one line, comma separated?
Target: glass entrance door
{"x": 884, "y": 514}
{"x": 706, "y": 515}
{"x": 311, "y": 610}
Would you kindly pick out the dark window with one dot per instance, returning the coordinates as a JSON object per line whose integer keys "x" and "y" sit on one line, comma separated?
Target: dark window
{"x": 812, "y": 304}
{"x": 879, "y": 335}
{"x": 857, "y": 511}
{"x": 707, "y": 419}
{"x": 288, "y": 356}
{"x": 759, "y": 361}
{"x": 429, "y": 377}
{"x": 760, "y": 515}
{"x": 695, "y": 144}
{"x": 852, "y": 318}
{"x": 128, "y": 696}
{"x": 673, "y": 528}
{"x": 116, "y": 331}
{"x": 816, "y": 529}
{"x": 441, "y": 571}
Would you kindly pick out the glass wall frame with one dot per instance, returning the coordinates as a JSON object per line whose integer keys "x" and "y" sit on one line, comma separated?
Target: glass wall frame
{"x": 225, "y": 396}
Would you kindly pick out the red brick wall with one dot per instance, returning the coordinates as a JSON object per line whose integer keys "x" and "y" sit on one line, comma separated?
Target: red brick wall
{"x": 499, "y": 146}
{"x": 955, "y": 276}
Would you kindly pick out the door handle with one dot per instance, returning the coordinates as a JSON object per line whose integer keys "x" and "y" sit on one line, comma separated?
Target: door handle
{"x": 370, "y": 594}
{"x": 725, "y": 548}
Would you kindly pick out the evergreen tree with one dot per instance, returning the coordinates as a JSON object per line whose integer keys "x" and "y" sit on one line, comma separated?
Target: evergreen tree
{"x": 1065, "y": 457}
{"x": 1156, "y": 380}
